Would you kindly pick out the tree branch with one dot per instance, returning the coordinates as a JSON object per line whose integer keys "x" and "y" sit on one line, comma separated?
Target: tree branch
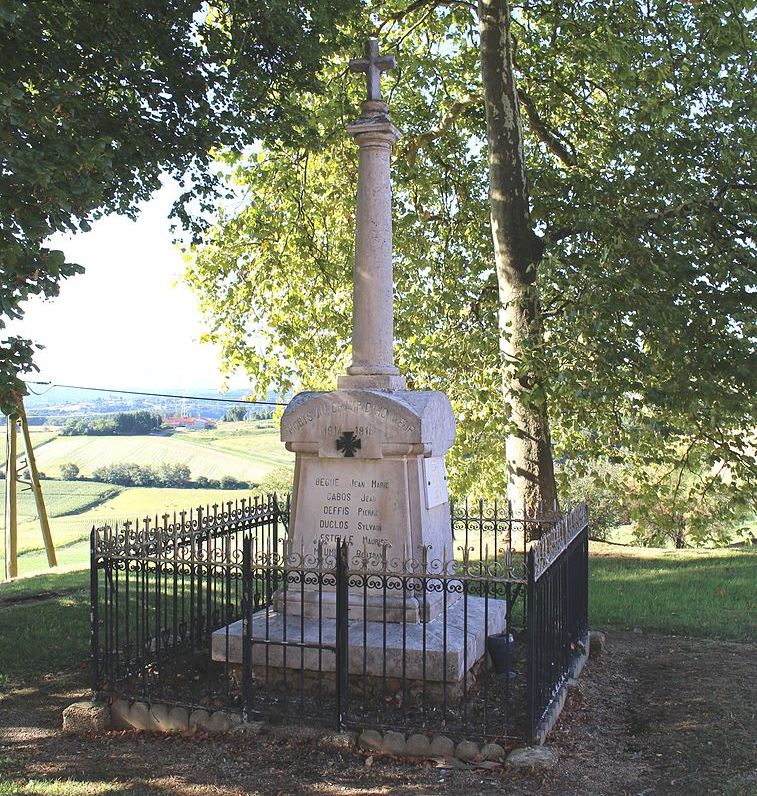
{"x": 552, "y": 140}
{"x": 424, "y": 139}
{"x": 398, "y": 16}
{"x": 564, "y": 151}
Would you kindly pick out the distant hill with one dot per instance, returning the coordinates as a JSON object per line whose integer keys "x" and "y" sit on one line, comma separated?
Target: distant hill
{"x": 248, "y": 451}
{"x": 57, "y": 404}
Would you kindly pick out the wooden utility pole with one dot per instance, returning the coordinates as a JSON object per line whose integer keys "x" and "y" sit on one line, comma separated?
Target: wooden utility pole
{"x": 11, "y": 507}
{"x": 11, "y": 494}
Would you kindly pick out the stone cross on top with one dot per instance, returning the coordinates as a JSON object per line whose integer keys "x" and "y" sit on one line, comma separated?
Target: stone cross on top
{"x": 373, "y": 290}
{"x": 373, "y": 65}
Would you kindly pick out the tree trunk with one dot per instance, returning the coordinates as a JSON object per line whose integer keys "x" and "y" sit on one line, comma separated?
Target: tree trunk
{"x": 517, "y": 252}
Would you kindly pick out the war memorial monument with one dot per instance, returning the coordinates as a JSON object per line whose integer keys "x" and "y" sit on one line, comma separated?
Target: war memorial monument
{"x": 370, "y": 469}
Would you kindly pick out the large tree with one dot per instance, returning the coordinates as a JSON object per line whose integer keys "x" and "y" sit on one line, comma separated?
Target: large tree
{"x": 517, "y": 253}
{"x": 623, "y": 279}
{"x": 99, "y": 99}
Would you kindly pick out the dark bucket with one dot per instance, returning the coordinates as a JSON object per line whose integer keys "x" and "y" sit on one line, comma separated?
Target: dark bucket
{"x": 500, "y": 647}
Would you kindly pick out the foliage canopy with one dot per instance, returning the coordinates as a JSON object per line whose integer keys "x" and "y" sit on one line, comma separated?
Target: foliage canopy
{"x": 99, "y": 99}
{"x": 640, "y": 138}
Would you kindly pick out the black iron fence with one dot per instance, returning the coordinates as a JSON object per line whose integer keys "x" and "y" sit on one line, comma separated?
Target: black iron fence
{"x": 558, "y": 609}
{"x": 212, "y": 609}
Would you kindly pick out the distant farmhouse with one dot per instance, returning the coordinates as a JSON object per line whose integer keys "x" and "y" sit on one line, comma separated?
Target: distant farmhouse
{"x": 189, "y": 423}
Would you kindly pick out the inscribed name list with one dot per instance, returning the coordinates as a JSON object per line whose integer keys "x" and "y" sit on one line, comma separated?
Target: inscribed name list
{"x": 362, "y": 501}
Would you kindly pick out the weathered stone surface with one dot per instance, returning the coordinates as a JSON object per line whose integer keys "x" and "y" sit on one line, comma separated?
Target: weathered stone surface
{"x": 532, "y": 757}
{"x": 159, "y": 714}
{"x": 418, "y": 746}
{"x": 199, "y": 720}
{"x": 493, "y": 752}
{"x": 178, "y": 720}
{"x": 466, "y": 750}
{"x": 338, "y": 740}
{"x": 371, "y": 741}
{"x": 442, "y": 746}
{"x": 119, "y": 714}
{"x": 465, "y": 627}
{"x": 391, "y": 490}
{"x": 140, "y": 717}
{"x": 597, "y": 642}
{"x": 219, "y": 722}
{"x": 86, "y": 717}
{"x": 394, "y": 743}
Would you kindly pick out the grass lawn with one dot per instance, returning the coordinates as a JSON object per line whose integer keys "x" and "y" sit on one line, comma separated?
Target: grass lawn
{"x": 709, "y": 593}
{"x": 55, "y": 629}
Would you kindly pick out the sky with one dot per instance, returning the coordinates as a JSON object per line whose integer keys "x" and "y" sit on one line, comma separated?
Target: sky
{"x": 129, "y": 321}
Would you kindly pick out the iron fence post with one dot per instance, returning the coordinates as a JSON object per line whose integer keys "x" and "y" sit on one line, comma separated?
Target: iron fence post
{"x": 342, "y": 631}
{"x": 531, "y": 638}
{"x": 246, "y": 626}
{"x": 585, "y": 606}
{"x": 94, "y": 615}
{"x": 567, "y": 584}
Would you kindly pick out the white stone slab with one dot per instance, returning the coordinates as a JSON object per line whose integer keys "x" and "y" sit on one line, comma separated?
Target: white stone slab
{"x": 386, "y": 423}
{"x": 362, "y": 501}
{"x": 454, "y": 642}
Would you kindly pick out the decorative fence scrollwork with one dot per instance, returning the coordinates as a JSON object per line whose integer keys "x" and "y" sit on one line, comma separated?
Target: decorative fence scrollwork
{"x": 214, "y": 608}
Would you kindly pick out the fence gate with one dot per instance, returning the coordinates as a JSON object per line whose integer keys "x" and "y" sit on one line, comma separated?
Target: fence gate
{"x": 295, "y": 650}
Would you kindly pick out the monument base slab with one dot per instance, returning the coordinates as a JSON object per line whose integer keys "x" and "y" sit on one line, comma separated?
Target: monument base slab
{"x": 441, "y": 650}
{"x": 370, "y": 607}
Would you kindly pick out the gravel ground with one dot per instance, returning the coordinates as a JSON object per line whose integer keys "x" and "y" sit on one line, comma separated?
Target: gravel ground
{"x": 655, "y": 715}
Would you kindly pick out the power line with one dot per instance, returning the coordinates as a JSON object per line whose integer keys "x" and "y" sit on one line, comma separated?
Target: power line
{"x": 158, "y": 394}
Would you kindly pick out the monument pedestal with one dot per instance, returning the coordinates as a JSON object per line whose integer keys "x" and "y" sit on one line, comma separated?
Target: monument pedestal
{"x": 369, "y": 469}
{"x": 442, "y": 651}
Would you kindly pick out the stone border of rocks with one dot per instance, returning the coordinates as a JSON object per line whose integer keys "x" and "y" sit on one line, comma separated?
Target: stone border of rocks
{"x": 418, "y": 745}
{"x": 85, "y": 717}
{"x": 125, "y": 715}
{"x": 465, "y": 751}
{"x": 82, "y": 717}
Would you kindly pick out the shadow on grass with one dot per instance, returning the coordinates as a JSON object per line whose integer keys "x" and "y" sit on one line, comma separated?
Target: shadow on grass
{"x": 44, "y": 637}
{"x": 691, "y": 594}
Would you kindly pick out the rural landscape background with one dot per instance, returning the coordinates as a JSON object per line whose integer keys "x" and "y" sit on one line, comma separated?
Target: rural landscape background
{"x": 680, "y": 616}
{"x": 572, "y": 264}
{"x": 199, "y": 466}
{"x": 699, "y": 590}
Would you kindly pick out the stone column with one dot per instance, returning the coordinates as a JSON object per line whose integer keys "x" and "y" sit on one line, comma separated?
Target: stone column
{"x": 373, "y": 313}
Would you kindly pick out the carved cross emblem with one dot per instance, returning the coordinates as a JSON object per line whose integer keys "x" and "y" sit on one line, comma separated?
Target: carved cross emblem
{"x": 348, "y": 443}
{"x": 373, "y": 65}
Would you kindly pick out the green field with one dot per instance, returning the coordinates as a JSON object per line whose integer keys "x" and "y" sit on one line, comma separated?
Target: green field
{"x": 247, "y": 451}
{"x": 711, "y": 593}
{"x": 40, "y": 436}
{"x": 91, "y": 503}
